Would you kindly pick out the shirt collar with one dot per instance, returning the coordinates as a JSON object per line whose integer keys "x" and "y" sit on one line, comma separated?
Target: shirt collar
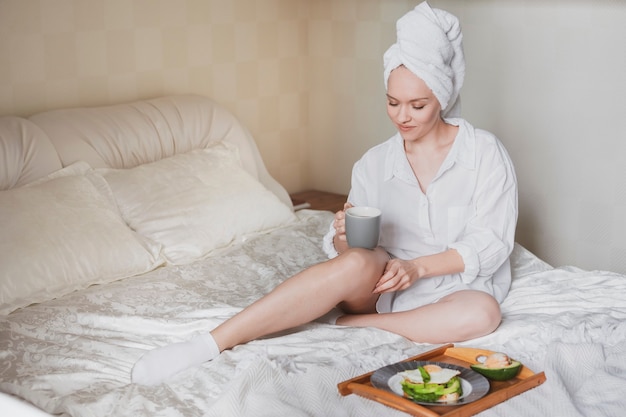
{"x": 463, "y": 152}
{"x": 395, "y": 161}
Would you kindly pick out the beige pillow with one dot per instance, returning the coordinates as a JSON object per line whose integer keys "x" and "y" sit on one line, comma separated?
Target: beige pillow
{"x": 62, "y": 234}
{"x": 196, "y": 202}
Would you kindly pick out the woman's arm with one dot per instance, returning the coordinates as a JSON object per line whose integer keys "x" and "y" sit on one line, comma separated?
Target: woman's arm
{"x": 489, "y": 234}
{"x": 400, "y": 274}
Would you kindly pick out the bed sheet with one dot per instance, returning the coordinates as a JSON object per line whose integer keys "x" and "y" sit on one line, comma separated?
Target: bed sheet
{"x": 73, "y": 356}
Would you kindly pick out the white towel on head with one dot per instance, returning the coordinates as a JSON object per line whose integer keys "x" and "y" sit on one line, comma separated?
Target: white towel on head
{"x": 430, "y": 45}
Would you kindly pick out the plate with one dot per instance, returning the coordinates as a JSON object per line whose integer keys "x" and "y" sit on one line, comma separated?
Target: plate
{"x": 475, "y": 386}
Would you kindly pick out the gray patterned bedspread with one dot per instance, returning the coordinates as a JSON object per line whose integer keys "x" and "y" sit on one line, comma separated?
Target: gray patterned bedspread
{"x": 73, "y": 356}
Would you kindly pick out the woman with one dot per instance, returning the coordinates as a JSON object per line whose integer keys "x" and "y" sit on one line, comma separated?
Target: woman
{"x": 448, "y": 194}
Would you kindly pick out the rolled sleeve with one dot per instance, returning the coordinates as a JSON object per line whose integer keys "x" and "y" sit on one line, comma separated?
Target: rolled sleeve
{"x": 470, "y": 259}
{"x": 328, "y": 245}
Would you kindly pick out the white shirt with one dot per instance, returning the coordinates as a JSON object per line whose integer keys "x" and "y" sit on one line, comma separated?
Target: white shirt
{"x": 470, "y": 206}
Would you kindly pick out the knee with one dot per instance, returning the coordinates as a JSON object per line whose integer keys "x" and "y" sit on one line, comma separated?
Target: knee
{"x": 490, "y": 315}
{"x": 483, "y": 318}
{"x": 358, "y": 266}
{"x": 360, "y": 261}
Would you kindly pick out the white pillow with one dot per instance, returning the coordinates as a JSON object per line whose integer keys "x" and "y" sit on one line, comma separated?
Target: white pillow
{"x": 196, "y": 202}
{"x": 62, "y": 234}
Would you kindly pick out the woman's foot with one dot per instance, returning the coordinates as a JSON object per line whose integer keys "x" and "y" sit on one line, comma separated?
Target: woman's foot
{"x": 159, "y": 364}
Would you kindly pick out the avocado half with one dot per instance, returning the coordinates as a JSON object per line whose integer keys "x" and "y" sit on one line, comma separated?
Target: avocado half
{"x": 498, "y": 374}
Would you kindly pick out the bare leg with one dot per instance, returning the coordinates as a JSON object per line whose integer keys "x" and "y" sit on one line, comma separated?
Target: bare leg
{"x": 348, "y": 279}
{"x": 456, "y": 317}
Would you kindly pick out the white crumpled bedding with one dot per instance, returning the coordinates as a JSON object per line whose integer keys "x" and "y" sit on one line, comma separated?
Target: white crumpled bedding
{"x": 73, "y": 356}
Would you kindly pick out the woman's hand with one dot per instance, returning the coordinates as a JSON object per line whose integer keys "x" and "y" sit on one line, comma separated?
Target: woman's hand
{"x": 340, "y": 241}
{"x": 399, "y": 275}
{"x": 340, "y": 222}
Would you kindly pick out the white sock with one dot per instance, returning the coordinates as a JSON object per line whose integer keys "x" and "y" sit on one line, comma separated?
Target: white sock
{"x": 159, "y": 364}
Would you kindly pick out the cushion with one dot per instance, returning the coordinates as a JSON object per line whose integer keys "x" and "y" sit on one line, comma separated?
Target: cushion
{"x": 196, "y": 202}
{"x": 65, "y": 233}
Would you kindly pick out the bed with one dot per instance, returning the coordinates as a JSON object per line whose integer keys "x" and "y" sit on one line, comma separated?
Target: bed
{"x": 109, "y": 249}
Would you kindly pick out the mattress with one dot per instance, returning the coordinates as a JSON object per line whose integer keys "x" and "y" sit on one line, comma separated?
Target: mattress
{"x": 72, "y": 356}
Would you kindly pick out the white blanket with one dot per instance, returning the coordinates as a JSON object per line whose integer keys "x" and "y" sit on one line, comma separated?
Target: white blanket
{"x": 73, "y": 356}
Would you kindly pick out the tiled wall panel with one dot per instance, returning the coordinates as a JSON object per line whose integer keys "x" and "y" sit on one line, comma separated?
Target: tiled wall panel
{"x": 250, "y": 55}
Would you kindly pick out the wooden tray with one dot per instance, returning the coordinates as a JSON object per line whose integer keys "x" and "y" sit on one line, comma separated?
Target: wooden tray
{"x": 499, "y": 391}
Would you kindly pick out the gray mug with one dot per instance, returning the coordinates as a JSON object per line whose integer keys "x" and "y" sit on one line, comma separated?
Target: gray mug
{"x": 363, "y": 227}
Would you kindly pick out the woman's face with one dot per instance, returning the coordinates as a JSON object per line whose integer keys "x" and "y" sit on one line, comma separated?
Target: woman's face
{"x": 411, "y": 105}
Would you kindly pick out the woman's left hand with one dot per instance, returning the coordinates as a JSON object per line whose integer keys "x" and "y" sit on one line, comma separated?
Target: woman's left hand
{"x": 399, "y": 275}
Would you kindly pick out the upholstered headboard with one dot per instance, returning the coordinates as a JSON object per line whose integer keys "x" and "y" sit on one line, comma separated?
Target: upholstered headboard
{"x": 122, "y": 136}
{"x": 26, "y": 153}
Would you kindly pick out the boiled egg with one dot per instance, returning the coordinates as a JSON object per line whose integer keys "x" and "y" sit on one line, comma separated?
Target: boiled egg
{"x": 497, "y": 360}
{"x": 438, "y": 375}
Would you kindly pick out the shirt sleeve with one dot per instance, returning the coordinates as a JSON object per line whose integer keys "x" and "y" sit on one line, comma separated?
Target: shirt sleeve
{"x": 489, "y": 235}
{"x": 328, "y": 245}
{"x": 356, "y": 197}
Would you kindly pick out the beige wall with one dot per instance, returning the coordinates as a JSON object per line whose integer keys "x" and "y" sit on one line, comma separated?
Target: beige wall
{"x": 305, "y": 76}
